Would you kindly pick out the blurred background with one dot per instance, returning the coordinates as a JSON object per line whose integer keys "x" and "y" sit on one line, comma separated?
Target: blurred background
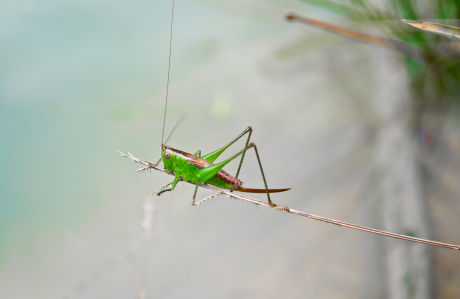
{"x": 361, "y": 133}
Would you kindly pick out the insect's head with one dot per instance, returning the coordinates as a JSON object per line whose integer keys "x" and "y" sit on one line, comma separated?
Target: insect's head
{"x": 168, "y": 157}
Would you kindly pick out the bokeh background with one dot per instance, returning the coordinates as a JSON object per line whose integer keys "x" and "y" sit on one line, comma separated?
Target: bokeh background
{"x": 332, "y": 118}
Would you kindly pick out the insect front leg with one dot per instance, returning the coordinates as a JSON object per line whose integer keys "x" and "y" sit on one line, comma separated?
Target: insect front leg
{"x": 158, "y": 162}
{"x": 163, "y": 188}
{"x": 173, "y": 185}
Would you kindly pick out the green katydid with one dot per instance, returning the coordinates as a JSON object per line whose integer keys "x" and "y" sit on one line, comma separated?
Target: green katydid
{"x": 201, "y": 170}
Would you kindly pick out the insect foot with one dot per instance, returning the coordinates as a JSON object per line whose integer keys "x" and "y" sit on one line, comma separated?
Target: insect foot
{"x": 282, "y": 208}
{"x": 163, "y": 189}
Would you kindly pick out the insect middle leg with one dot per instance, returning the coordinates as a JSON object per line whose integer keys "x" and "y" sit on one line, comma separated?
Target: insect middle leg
{"x": 197, "y": 154}
{"x": 253, "y": 145}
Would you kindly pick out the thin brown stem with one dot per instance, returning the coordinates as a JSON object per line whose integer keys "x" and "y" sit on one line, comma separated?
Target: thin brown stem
{"x": 441, "y": 29}
{"x": 393, "y": 44}
{"x": 300, "y": 213}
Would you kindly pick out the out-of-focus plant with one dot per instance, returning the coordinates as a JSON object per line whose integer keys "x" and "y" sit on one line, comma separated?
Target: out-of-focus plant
{"x": 445, "y": 30}
{"x": 435, "y": 80}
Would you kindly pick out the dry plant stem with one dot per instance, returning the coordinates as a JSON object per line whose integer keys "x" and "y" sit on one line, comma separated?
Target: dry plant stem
{"x": 393, "y": 44}
{"x": 445, "y": 30}
{"x": 300, "y": 213}
{"x": 332, "y": 221}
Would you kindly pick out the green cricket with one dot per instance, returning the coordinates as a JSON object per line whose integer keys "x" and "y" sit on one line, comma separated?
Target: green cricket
{"x": 198, "y": 169}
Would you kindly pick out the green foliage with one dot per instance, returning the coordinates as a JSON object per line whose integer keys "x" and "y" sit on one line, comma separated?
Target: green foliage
{"x": 436, "y": 81}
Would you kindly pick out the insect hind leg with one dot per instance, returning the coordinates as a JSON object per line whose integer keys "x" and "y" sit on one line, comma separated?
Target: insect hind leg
{"x": 246, "y": 147}
{"x": 211, "y": 157}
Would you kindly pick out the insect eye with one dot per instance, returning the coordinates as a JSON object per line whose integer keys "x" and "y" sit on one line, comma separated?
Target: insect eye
{"x": 167, "y": 155}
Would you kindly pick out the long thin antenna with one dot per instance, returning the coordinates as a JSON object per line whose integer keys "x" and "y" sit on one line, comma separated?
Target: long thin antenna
{"x": 170, "y": 134}
{"x": 169, "y": 69}
{"x": 174, "y": 129}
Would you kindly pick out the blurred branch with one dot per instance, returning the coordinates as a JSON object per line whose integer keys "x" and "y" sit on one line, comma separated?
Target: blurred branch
{"x": 232, "y": 195}
{"x": 445, "y": 30}
{"x": 390, "y": 43}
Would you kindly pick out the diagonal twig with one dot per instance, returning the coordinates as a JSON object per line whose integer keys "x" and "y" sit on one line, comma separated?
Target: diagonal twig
{"x": 386, "y": 42}
{"x": 441, "y": 29}
{"x": 223, "y": 192}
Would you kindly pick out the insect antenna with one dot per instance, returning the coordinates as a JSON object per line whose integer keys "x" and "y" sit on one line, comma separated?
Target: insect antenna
{"x": 169, "y": 70}
{"x": 170, "y": 134}
{"x": 179, "y": 121}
